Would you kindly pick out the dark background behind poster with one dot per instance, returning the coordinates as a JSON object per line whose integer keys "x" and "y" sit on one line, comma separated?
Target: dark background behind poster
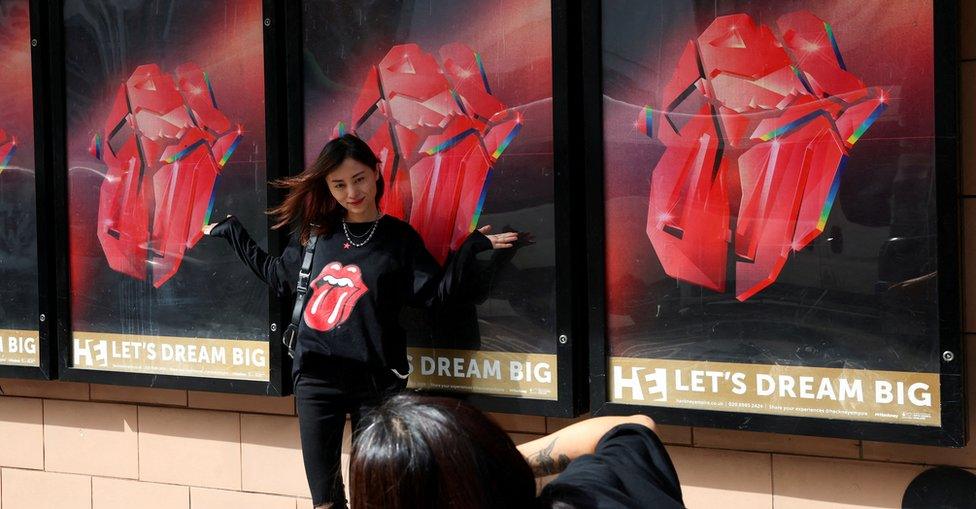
{"x": 18, "y": 225}
{"x": 213, "y": 294}
{"x": 343, "y": 39}
{"x": 832, "y": 305}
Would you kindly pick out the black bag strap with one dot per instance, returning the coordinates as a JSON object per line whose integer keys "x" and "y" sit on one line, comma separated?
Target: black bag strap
{"x": 304, "y": 275}
{"x": 301, "y": 290}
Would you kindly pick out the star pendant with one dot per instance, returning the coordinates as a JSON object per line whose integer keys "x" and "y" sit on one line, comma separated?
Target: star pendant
{"x": 346, "y": 245}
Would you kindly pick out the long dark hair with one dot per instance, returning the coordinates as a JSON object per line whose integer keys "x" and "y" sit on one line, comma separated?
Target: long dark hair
{"x": 424, "y": 452}
{"x": 309, "y": 201}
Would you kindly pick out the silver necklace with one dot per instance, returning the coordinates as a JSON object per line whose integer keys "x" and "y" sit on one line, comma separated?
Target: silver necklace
{"x": 350, "y": 236}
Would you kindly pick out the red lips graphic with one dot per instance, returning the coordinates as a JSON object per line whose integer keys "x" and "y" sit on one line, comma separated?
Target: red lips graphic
{"x": 335, "y": 292}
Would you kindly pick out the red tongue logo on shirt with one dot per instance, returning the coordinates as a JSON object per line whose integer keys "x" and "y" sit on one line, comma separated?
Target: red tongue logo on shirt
{"x": 334, "y": 294}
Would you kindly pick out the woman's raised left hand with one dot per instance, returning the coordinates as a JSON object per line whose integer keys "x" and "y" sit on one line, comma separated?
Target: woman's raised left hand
{"x": 499, "y": 240}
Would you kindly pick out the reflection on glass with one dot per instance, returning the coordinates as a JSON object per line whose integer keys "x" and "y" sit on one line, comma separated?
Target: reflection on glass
{"x": 456, "y": 100}
{"x": 165, "y": 129}
{"x": 18, "y": 220}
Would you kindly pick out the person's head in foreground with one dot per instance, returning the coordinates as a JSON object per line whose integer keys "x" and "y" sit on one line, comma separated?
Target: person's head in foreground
{"x": 417, "y": 451}
{"x": 426, "y": 452}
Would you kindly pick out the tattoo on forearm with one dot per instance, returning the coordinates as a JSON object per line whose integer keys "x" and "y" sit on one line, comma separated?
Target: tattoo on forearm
{"x": 543, "y": 463}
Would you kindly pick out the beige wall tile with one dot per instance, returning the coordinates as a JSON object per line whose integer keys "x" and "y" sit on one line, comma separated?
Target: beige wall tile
{"x": 22, "y": 432}
{"x": 773, "y": 442}
{"x": 44, "y": 389}
{"x": 680, "y": 435}
{"x": 91, "y": 438}
{"x": 554, "y": 424}
{"x": 967, "y": 129}
{"x": 192, "y": 447}
{"x": 668, "y": 434}
{"x": 520, "y": 423}
{"x": 204, "y": 498}
{"x": 34, "y": 489}
{"x": 726, "y": 479}
{"x": 150, "y": 395}
{"x": 800, "y": 482}
{"x": 122, "y": 494}
{"x": 521, "y": 438}
{"x": 304, "y": 503}
{"x": 967, "y": 24}
{"x": 271, "y": 455}
{"x": 929, "y": 455}
{"x": 242, "y": 402}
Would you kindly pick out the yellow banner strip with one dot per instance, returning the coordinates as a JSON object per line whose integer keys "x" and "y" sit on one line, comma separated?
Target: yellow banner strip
{"x": 827, "y": 393}
{"x": 165, "y": 355}
{"x": 19, "y": 348}
{"x": 519, "y": 375}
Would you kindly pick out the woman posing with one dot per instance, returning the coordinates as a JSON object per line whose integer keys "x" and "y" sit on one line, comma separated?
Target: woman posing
{"x": 350, "y": 351}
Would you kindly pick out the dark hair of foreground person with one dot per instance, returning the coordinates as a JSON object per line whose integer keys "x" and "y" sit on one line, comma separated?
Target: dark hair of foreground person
{"x": 441, "y": 453}
{"x": 414, "y": 452}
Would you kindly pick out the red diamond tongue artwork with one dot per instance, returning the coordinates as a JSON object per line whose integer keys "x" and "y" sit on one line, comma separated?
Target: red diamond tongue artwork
{"x": 437, "y": 130}
{"x": 165, "y": 143}
{"x": 335, "y": 292}
{"x": 757, "y": 126}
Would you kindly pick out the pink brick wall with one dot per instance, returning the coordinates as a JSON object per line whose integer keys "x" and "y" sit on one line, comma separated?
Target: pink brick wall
{"x": 89, "y": 446}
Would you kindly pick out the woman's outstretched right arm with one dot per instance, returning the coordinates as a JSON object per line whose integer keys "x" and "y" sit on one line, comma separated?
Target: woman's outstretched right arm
{"x": 279, "y": 272}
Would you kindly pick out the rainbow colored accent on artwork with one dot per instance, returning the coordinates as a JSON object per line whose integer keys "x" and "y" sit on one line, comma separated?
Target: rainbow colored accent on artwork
{"x": 833, "y": 44}
{"x": 506, "y": 142}
{"x": 341, "y": 128}
{"x": 230, "y": 150}
{"x": 803, "y": 79}
{"x": 7, "y": 158}
{"x": 856, "y": 135}
{"x": 183, "y": 153}
{"x": 213, "y": 98}
{"x": 457, "y": 99}
{"x": 481, "y": 69}
{"x": 831, "y": 195}
{"x": 454, "y": 140}
{"x": 792, "y": 126}
{"x": 481, "y": 203}
{"x": 210, "y": 206}
{"x": 98, "y": 146}
{"x": 649, "y": 121}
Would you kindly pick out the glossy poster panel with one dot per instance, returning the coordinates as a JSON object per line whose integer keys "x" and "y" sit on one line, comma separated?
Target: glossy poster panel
{"x": 770, "y": 195}
{"x": 165, "y": 130}
{"x": 18, "y": 218}
{"x": 456, "y": 100}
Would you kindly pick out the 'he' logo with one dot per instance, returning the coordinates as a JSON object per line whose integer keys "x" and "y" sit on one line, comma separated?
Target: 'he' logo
{"x": 654, "y": 384}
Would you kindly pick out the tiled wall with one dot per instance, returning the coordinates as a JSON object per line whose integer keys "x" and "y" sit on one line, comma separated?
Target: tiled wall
{"x": 88, "y": 446}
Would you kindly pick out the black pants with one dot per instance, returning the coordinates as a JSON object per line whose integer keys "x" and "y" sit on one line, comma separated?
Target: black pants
{"x": 324, "y": 395}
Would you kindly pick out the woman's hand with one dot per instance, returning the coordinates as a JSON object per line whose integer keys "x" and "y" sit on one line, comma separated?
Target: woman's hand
{"x": 499, "y": 240}
{"x": 207, "y": 228}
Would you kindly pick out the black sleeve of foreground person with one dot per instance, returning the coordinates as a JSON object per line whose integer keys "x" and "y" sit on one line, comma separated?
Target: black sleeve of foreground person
{"x": 279, "y": 272}
{"x": 629, "y": 469}
{"x": 433, "y": 285}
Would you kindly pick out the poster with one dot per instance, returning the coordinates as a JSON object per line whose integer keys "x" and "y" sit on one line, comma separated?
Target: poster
{"x": 19, "y": 302}
{"x": 456, "y": 100}
{"x": 770, "y": 202}
{"x": 165, "y": 133}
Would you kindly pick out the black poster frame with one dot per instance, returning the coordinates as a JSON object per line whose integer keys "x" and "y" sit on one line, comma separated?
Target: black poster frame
{"x": 567, "y": 153}
{"x": 47, "y": 356}
{"x": 279, "y": 383}
{"x": 952, "y": 433}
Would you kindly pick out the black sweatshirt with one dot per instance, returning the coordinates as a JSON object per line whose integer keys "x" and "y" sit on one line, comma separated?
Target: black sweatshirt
{"x": 356, "y": 293}
{"x": 629, "y": 469}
